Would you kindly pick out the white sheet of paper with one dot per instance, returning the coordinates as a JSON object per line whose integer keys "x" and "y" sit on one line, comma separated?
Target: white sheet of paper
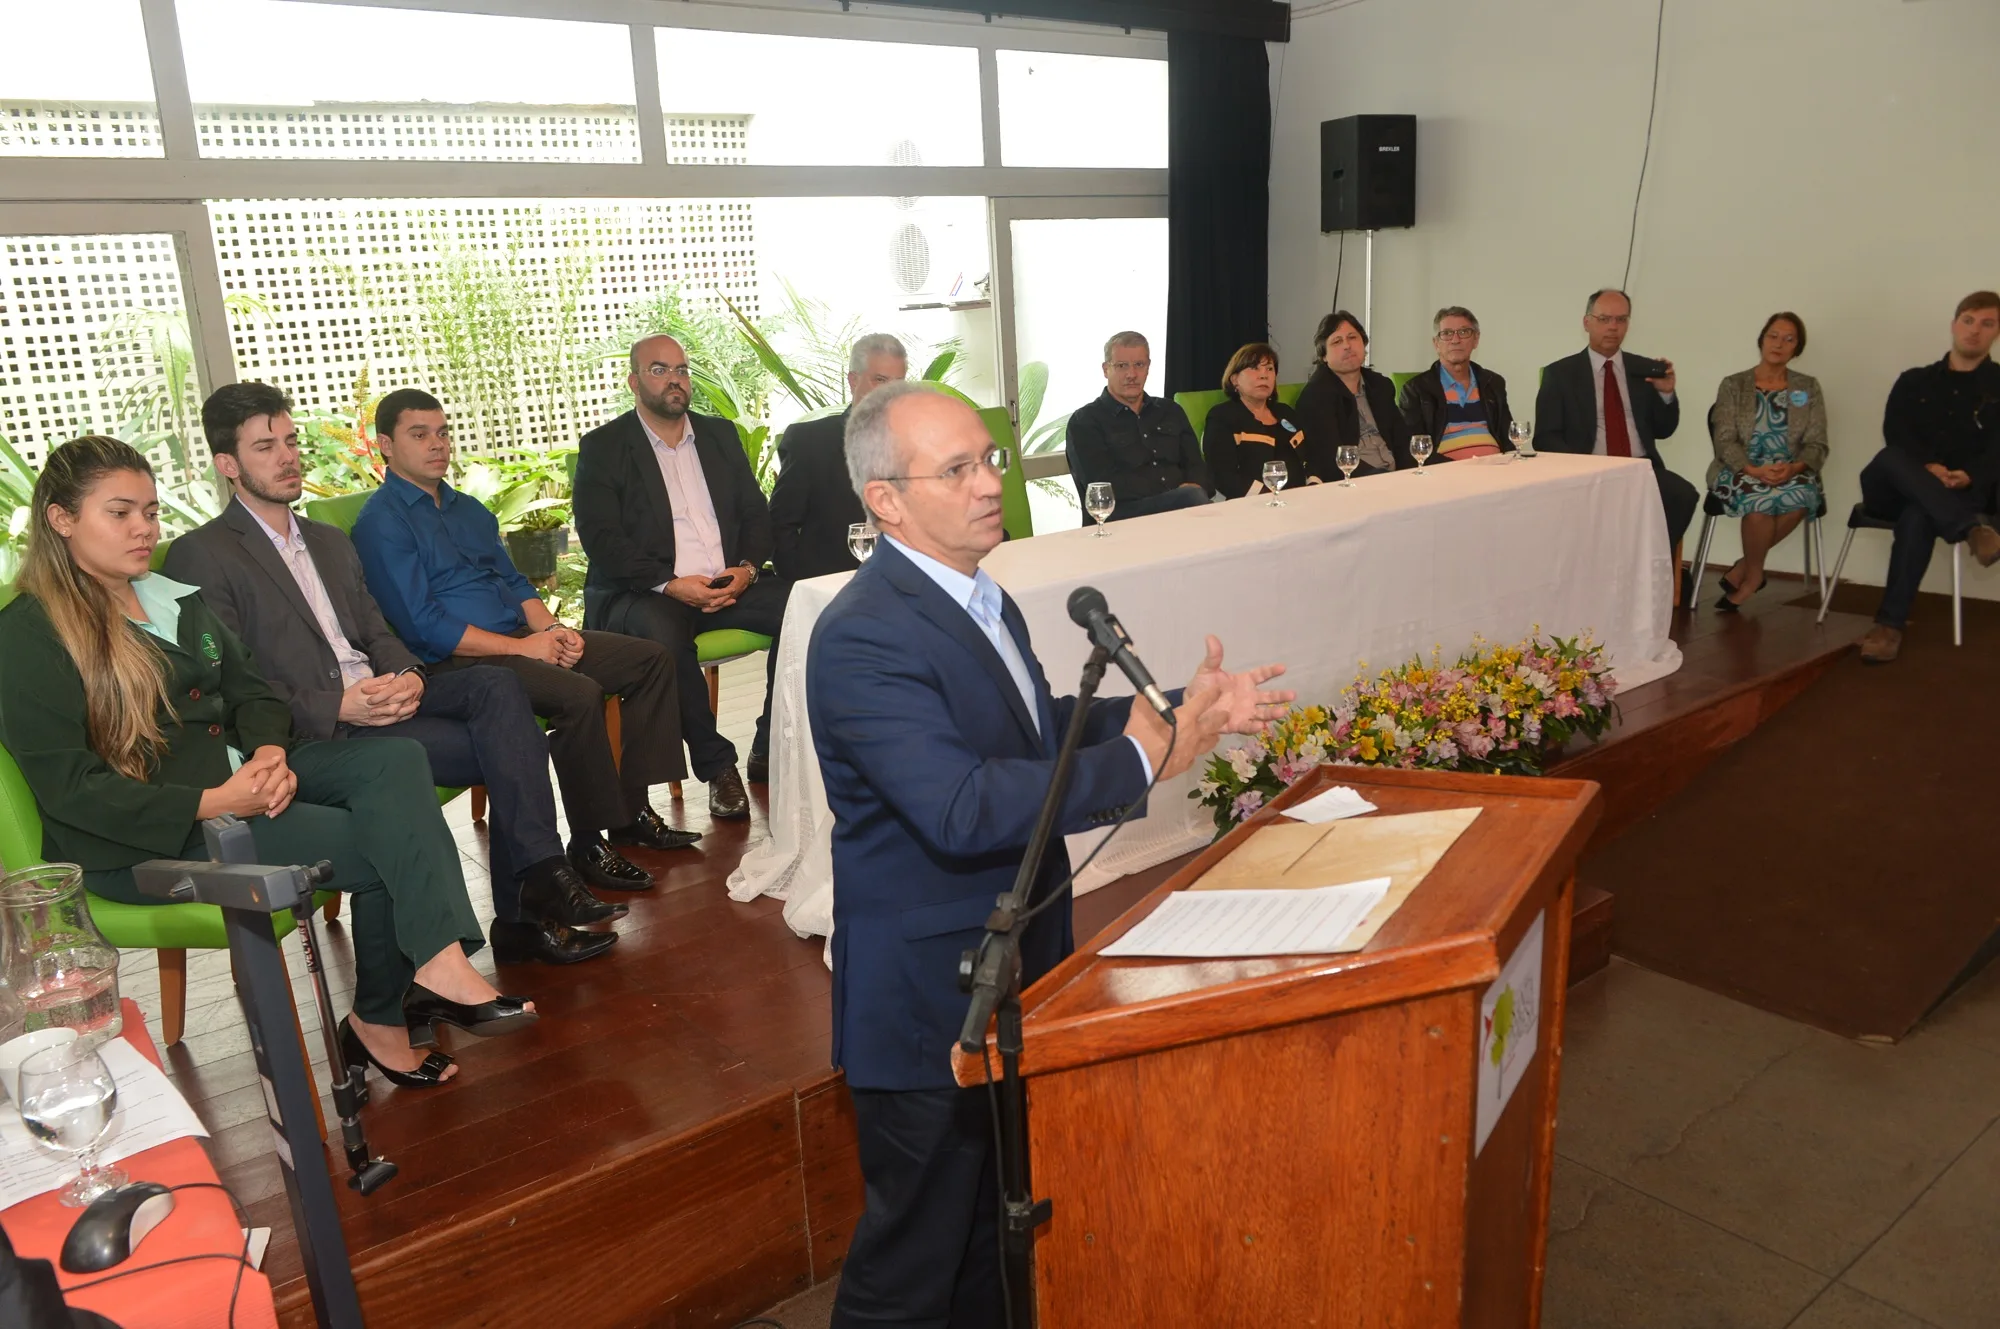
{"x": 1220, "y": 924}
{"x": 1329, "y": 805}
{"x": 150, "y": 1111}
{"x": 1510, "y": 1015}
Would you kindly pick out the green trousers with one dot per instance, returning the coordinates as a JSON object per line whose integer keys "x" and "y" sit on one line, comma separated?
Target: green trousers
{"x": 371, "y": 809}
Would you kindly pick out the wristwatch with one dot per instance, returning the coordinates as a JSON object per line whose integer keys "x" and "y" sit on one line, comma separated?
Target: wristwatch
{"x": 752, "y": 568}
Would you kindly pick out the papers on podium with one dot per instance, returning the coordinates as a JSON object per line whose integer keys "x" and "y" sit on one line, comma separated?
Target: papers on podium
{"x": 1329, "y": 805}
{"x": 1215, "y": 925}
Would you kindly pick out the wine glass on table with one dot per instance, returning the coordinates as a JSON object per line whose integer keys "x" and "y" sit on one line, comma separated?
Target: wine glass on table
{"x": 1420, "y": 450}
{"x": 67, "y": 1098}
{"x": 1521, "y": 433}
{"x": 1276, "y": 473}
{"x": 1098, "y": 501}
{"x": 1347, "y": 457}
{"x": 861, "y": 540}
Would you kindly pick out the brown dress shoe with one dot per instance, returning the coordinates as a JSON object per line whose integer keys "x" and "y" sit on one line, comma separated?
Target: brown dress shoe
{"x": 1984, "y": 542}
{"x": 727, "y": 798}
{"x": 1882, "y": 644}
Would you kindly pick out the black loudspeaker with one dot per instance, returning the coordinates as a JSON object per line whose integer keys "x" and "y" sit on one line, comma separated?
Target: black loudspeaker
{"x": 1368, "y": 172}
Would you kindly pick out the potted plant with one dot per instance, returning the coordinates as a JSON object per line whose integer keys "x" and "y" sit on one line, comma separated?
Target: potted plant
{"x": 537, "y": 540}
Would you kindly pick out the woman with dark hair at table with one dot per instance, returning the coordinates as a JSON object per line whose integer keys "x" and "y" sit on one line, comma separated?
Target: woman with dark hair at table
{"x": 1769, "y": 431}
{"x": 1252, "y": 427}
{"x": 135, "y": 715}
{"x": 1345, "y": 402}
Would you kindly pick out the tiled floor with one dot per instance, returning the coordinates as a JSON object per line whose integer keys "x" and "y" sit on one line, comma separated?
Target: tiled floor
{"x": 1722, "y": 1168}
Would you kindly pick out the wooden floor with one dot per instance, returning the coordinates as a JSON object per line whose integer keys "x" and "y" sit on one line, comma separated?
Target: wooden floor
{"x": 668, "y": 1146}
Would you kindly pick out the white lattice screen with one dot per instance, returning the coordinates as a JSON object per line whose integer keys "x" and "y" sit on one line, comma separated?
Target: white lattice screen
{"x": 79, "y": 129}
{"x": 373, "y": 131}
{"x": 317, "y": 332}
{"x": 74, "y": 334}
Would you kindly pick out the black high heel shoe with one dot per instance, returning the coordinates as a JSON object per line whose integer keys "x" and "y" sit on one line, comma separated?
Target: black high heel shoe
{"x": 427, "y": 1076}
{"x": 424, "y": 1010}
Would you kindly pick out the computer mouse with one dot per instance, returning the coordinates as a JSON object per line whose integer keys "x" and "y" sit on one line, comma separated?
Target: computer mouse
{"x": 115, "y": 1222}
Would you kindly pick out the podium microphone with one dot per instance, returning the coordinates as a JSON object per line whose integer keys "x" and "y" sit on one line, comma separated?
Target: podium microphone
{"x": 1088, "y": 611}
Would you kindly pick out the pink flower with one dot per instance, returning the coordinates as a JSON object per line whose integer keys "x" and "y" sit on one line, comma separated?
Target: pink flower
{"x": 1246, "y": 804}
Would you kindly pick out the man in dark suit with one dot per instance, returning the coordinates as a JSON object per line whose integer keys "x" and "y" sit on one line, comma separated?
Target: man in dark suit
{"x": 1140, "y": 445}
{"x": 292, "y": 589}
{"x": 678, "y": 533}
{"x": 1602, "y": 401}
{"x": 812, "y": 505}
{"x": 937, "y": 734}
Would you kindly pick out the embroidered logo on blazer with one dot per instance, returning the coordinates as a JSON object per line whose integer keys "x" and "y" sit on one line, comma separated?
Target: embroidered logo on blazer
{"x": 208, "y": 646}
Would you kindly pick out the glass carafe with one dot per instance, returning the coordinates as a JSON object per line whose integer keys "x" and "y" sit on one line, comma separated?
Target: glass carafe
{"x": 58, "y": 966}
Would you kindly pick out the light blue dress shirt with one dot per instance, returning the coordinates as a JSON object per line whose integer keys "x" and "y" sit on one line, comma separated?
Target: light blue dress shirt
{"x": 979, "y": 596}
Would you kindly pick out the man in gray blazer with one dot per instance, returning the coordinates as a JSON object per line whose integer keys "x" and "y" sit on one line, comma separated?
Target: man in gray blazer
{"x": 292, "y": 589}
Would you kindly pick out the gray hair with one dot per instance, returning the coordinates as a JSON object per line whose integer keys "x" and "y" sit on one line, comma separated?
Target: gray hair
{"x": 1452, "y": 311}
{"x": 875, "y": 343}
{"x": 1125, "y": 339}
{"x": 1590, "y": 305}
{"x": 871, "y": 444}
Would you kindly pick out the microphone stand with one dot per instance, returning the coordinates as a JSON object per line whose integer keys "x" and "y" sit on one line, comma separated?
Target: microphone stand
{"x": 992, "y": 974}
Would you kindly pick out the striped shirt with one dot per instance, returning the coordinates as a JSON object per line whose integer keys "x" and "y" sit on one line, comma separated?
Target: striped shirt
{"x": 1465, "y": 430}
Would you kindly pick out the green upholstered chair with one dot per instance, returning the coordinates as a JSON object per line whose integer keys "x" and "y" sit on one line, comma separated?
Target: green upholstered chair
{"x": 341, "y": 510}
{"x": 1199, "y": 404}
{"x": 1400, "y": 379}
{"x": 1288, "y": 393}
{"x": 1015, "y": 515}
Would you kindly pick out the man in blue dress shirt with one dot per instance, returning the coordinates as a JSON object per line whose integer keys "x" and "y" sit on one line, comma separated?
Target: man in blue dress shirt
{"x": 937, "y": 736}
{"x": 435, "y": 564}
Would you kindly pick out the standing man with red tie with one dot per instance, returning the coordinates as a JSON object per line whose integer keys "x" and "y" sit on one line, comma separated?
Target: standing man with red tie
{"x": 1605, "y": 402}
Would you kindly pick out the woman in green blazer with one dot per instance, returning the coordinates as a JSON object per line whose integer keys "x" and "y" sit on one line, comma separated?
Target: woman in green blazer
{"x": 135, "y": 714}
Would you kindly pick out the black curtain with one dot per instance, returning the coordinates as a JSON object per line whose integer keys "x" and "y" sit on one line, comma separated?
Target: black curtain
{"x": 1218, "y": 203}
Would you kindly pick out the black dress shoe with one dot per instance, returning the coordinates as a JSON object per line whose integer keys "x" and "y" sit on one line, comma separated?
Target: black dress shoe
{"x": 553, "y": 890}
{"x": 650, "y": 832}
{"x": 727, "y": 798}
{"x": 758, "y": 769}
{"x": 424, "y": 1010}
{"x": 518, "y": 943}
{"x": 607, "y": 869}
{"x": 428, "y": 1075}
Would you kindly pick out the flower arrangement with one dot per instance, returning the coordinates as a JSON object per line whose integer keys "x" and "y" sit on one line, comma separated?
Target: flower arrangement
{"x": 1497, "y": 709}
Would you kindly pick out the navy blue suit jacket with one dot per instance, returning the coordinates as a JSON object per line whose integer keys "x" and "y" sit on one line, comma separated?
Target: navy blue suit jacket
{"x": 935, "y": 775}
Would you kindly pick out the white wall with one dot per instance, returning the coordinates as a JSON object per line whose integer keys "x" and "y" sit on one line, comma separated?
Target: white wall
{"x": 1835, "y": 157}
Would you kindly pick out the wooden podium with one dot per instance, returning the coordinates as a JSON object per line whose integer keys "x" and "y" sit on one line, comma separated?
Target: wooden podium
{"x": 1291, "y": 1141}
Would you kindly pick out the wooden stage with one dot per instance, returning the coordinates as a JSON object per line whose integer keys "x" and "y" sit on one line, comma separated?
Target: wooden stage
{"x": 668, "y": 1146}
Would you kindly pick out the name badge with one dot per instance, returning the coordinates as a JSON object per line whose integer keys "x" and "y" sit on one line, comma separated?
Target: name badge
{"x": 1798, "y": 396}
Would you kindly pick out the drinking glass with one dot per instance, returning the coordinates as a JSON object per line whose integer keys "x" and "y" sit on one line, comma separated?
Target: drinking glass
{"x": 1276, "y": 473}
{"x": 67, "y": 1098}
{"x": 1347, "y": 457}
{"x": 1420, "y": 450}
{"x": 1098, "y": 501}
{"x": 861, "y": 540}
{"x": 1522, "y": 433}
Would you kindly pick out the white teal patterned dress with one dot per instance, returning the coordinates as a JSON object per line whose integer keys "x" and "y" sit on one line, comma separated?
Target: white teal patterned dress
{"x": 1743, "y": 493}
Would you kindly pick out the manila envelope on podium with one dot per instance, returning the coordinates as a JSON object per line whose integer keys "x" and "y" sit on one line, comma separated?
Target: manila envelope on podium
{"x": 1299, "y": 855}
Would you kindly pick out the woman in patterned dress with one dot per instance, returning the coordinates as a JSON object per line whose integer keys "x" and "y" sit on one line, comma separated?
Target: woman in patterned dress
{"x": 1769, "y": 430}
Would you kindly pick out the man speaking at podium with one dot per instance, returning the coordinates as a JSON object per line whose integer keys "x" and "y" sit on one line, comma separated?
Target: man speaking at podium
{"x": 937, "y": 737}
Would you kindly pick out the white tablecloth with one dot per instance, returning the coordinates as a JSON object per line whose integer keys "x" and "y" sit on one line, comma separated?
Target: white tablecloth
{"x": 1391, "y": 568}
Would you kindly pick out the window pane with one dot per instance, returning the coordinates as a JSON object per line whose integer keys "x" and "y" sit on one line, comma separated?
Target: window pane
{"x": 1082, "y": 110}
{"x": 74, "y": 82}
{"x": 518, "y": 313}
{"x": 272, "y": 78}
{"x": 94, "y": 340}
{"x": 815, "y": 101}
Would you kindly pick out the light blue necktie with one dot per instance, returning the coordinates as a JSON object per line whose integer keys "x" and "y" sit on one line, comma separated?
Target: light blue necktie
{"x": 985, "y": 610}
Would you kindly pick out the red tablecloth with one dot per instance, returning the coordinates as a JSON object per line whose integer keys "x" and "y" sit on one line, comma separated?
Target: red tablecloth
{"x": 194, "y": 1295}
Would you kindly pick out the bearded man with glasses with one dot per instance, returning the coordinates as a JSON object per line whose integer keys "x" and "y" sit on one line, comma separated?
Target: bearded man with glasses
{"x": 1461, "y": 404}
{"x": 678, "y": 534}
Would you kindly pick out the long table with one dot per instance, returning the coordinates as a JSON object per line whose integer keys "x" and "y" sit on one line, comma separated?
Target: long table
{"x": 1337, "y": 580}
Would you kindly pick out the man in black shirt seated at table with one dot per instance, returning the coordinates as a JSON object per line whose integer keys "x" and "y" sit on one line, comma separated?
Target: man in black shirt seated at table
{"x": 814, "y": 503}
{"x": 1937, "y": 475}
{"x": 1142, "y": 446}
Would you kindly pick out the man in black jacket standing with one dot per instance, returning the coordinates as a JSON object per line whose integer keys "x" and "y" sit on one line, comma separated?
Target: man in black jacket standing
{"x": 1938, "y": 474}
{"x": 1461, "y": 405}
{"x": 1606, "y": 402}
{"x": 814, "y": 503}
{"x": 678, "y": 533}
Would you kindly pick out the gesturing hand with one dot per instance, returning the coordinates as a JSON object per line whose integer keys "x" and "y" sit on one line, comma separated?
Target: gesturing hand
{"x": 1246, "y": 705}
